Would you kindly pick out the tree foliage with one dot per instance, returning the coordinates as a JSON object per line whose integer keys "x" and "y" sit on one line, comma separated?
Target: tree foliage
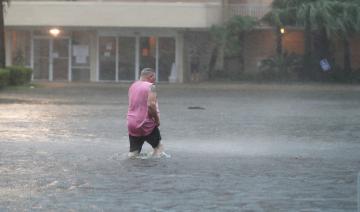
{"x": 328, "y": 19}
{"x": 229, "y": 34}
{"x": 229, "y": 39}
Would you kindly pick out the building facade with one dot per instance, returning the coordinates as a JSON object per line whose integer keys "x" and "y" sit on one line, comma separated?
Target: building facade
{"x": 112, "y": 40}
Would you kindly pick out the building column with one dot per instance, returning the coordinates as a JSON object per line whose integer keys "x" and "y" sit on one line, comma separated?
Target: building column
{"x": 179, "y": 56}
{"x": 8, "y": 51}
{"x": 93, "y": 57}
{"x": 225, "y": 10}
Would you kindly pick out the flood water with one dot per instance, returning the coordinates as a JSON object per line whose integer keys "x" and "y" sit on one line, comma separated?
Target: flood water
{"x": 242, "y": 147}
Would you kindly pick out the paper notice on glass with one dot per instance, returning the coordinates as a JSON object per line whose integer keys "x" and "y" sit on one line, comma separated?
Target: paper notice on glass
{"x": 81, "y": 52}
{"x": 55, "y": 55}
{"x": 108, "y": 46}
{"x": 80, "y": 59}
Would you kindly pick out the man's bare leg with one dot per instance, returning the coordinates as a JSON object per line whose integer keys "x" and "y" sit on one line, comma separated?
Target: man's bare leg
{"x": 133, "y": 154}
{"x": 158, "y": 150}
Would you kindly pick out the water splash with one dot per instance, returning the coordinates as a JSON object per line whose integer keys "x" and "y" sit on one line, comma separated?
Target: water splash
{"x": 150, "y": 155}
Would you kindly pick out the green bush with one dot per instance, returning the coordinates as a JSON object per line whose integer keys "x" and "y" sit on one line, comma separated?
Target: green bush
{"x": 283, "y": 67}
{"x": 4, "y": 77}
{"x": 19, "y": 75}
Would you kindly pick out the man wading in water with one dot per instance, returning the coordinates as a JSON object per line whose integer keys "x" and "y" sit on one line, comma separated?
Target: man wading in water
{"x": 143, "y": 115}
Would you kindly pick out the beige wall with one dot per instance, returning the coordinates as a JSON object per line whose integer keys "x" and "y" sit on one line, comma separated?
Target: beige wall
{"x": 130, "y": 0}
{"x": 113, "y": 14}
{"x": 267, "y": 2}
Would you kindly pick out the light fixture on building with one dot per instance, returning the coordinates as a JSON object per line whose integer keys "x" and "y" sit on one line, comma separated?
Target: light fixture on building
{"x": 54, "y": 32}
{"x": 282, "y": 30}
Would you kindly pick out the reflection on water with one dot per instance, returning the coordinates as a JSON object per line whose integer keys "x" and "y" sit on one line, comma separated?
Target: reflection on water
{"x": 39, "y": 123}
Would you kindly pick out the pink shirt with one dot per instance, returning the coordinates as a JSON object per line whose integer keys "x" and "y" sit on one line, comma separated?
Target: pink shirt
{"x": 138, "y": 121}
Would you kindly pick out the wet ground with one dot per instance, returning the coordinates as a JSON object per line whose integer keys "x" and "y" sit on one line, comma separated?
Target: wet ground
{"x": 238, "y": 147}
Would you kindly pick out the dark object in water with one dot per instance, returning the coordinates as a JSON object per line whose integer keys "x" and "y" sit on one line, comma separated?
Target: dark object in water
{"x": 196, "y": 108}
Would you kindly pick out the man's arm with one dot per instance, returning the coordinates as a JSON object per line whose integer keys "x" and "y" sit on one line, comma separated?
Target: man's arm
{"x": 152, "y": 108}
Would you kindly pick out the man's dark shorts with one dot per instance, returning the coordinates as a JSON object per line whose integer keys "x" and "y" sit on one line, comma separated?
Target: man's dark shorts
{"x": 136, "y": 142}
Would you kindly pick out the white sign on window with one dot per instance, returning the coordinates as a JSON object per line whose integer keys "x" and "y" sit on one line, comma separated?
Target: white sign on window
{"x": 81, "y": 60}
{"x": 108, "y": 46}
{"x": 80, "y": 52}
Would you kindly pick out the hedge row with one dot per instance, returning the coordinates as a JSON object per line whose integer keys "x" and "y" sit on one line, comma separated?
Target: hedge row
{"x": 15, "y": 75}
{"x": 4, "y": 77}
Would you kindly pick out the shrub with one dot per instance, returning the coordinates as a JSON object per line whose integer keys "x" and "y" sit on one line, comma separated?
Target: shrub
{"x": 4, "y": 77}
{"x": 19, "y": 75}
{"x": 283, "y": 67}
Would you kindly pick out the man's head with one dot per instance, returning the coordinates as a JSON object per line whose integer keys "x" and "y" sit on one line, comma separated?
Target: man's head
{"x": 148, "y": 74}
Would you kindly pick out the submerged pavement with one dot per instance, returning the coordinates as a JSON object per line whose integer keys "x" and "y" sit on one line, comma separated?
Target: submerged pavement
{"x": 234, "y": 147}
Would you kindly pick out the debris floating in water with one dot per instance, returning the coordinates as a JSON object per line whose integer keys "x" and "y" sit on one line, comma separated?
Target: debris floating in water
{"x": 196, "y": 108}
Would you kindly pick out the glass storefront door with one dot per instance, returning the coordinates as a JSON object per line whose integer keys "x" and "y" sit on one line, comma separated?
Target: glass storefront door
{"x": 158, "y": 53}
{"x": 107, "y": 58}
{"x": 51, "y": 59}
{"x": 60, "y": 59}
{"x": 166, "y": 65}
{"x": 121, "y": 57}
{"x": 126, "y": 60}
{"x": 41, "y": 58}
{"x": 80, "y": 62}
{"x": 147, "y": 52}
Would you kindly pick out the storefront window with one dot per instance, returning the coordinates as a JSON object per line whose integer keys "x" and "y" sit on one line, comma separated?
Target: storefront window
{"x": 166, "y": 69}
{"x": 21, "y": 48}
{"x": 118, "y": 57}
{"x": 107, "y": 58}
{"x": 126, "y": 58}
{"x": 80, "y": 56}
{"x": 60, "y": 58}
{"x": 147, "y": 52}
{"x": 46, "y": 32}
{"x": 41, "y": 58}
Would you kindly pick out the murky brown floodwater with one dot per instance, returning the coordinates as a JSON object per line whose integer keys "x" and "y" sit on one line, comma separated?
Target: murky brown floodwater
{"x": 249, "y": 148}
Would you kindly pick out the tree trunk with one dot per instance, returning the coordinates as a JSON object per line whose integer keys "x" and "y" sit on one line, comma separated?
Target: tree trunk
{"x": 322, "y": 45}
{"x": 2, "y": 35}
{"x": 307, "y": 46}
{"x": 307, "y": 58}
{"x": 242, "y": 52}
{"x": 279, "y": 47}
{"x": 219, "y": 62}
{"x": 212, "y": 61}
{"x": 347, "y": 56}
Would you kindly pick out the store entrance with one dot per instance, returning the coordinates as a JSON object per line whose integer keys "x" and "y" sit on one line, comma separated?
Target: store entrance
{"x": 51, "y": 59}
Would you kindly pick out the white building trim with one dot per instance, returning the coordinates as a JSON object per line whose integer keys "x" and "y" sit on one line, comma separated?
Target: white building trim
{"x": 114, "y": 14}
